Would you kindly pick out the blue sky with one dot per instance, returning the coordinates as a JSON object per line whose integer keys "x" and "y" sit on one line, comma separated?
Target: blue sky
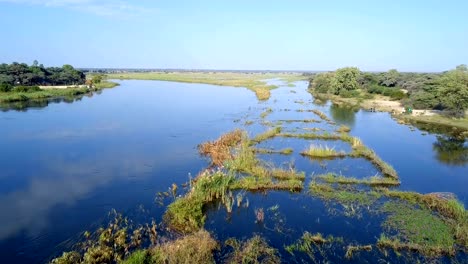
{"x": 278, "y": 35}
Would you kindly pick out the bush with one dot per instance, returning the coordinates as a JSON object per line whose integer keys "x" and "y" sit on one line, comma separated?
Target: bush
{"x": 26, "y": 89}
{"x": 349, "y": 94}
{"x": 5, "y": 87}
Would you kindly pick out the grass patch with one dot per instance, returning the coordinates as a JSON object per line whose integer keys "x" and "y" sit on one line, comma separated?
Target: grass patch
{"x": 417, "y": 229}
{"x": 322, "y": 152}
{"x": 324, "y": 136}
{"x": 309, "y": 243}
{"x": 266, "y": 135}
{"x": 371, "y": 181}
{"x": 220, "y": 150}
{"x": 253, "y": 183}
{"x": 252, "y": 81}
{"x": 351, "y": 250}
{"x": 255, "y": 250}
{"x": 286, "y": 151}
{"x": 322, "y": 115}
{"x": 194, "y": 248}
{"x": 360, "y": 150}
{"x": 299, "y": 121}
{"x": 266, "y": 112}
{"x": 343, "y": 195}
{"x": 185, "y": 214}
{"x": 343, "y": 129}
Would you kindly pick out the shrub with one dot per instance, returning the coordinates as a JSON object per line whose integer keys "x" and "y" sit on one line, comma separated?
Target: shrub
{"x": 26, "y": 89}
{"x": 5, "y": 87}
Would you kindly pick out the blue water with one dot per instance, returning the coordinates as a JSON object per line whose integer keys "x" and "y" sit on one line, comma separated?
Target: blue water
{"x": 66, "y": 165}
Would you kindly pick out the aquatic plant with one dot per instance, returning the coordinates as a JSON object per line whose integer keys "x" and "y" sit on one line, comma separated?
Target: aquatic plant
{"x": 259, "y": 215}
{"x": 320, "y": 114}
{"x": 360, "y": 150}
{"x": 253, "y": 251}
{"x": 343, "y": 129}
{"x": 286, "y": 151}
{"x": 185, "y": 214}
{"x": 266, "y": 112}
{"x": 420, "y": 228}
{"x": 299, "y": 121}
{"x": 309, "y": 243}
{"x": 266, "y": 135}
{"x": 350, "y": 250}
{"x": 343, "y": 195}
{"x": 220, "y": 149}
{"x": 194, "y": 248}
{"x": 371, "y": 181}
{"x": 322, "y": 152}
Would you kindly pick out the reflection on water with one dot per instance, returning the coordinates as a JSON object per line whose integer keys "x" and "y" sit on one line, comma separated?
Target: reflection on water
{"x": 450, "y": 150}
{"x": 343, "y": 114}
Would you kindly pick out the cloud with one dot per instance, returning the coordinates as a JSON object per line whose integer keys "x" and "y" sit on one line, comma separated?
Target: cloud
{"x": 106, "y": 8}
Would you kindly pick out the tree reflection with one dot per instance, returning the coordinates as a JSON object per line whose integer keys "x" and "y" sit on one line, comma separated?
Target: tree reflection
{"x": 343, "y": 114}
{"x": 450, "y": 150}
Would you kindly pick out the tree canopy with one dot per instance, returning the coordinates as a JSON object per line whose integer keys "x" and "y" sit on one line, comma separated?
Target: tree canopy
{"x": 20, "y": 74}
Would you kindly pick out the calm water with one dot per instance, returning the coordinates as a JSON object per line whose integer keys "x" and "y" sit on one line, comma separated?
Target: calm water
{"x": 64, "y": 166}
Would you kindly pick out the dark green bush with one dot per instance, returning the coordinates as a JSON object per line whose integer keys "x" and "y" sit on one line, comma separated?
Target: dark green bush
{"x": 5, "y": 87}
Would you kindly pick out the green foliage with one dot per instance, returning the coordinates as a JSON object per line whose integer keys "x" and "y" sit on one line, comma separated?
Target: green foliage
{"x": 453, "y": 90}
{"x": 390, "y": 78}
{"x": 394, "y": 93}
{"x": 138, "y": 257}
{"x": 345, "y": 79}
{"x": 5, "y": 87}
{"x": 22, "y": 74}
{"x": 253, "y": 251}
{"x": 26, "y": 89}
{"x": 322, "y": 82}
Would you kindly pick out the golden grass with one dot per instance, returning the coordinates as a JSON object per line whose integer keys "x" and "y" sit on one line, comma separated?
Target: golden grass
{"x": 220, "y": 150}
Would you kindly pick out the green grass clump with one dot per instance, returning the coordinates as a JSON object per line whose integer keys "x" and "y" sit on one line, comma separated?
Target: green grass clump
{"x": 185, "y": 214}
{"x": 324, "y": 136}
{"x": 138, "y": 257}
{"x": 266, "y": 135}
{"x": 322, "y": 152}
{"x": 299, "y": 121}
{"x": 282, "y": 174}
{"x": 360, "y": 150}
{"x": 266, "y": 113}
{"x": 343, "y": 129}
{"x": 286, "y": 151}
{"x": 253, "y": 183}
{"x": 67, "y": 258}
{"x": 342, "y": 195}
{"x": 308, "y": 243}
{"x": 428, "y": 234}
{"x": 371, "y": 181}
{"x": 253, "y": 251}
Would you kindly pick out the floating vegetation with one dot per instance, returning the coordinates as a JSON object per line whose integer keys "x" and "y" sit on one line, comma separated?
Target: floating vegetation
{"x": 266, "y": 135}
{"x": 311, "y": 243}
{"x": 248, "y": 122}
{"x": 321, "y": 115}
{"x": 342, "y": 194}
{"x": 417, "y": 229}
{"x": 255, "y": 250}
{"x": 322, "y": 152}
{"x": 253, "y": 183}
{"x": 262, "y": 93}
{"x": 289, "y": 174}
{"x": 299, "y": 121}
{"x": 286, "y": 151}
{"x": 220, "y": 149}
{"x": 266, "y": 113}
{"x": 343, "y": 129}
{"x": 185, "y": 214}
{"x": 299, "y": 102}
{"x": 371, "y": 181}
{"x": 360, "y": 150}
{"x": 351, "y": 250}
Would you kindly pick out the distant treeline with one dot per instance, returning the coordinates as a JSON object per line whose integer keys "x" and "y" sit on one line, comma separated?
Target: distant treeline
{"x": 21, "y": 74}
{"x": 447, "y": 90}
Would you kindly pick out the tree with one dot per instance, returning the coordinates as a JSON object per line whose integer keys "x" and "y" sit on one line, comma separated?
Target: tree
{"x": 390, "y": 78}
{"x": 35, "y": 63}
{"x": 453, "y": 90}
{"x": 345, "y": 80}
{"x": 322, "y": 82}
{"x": 97, "y": 78}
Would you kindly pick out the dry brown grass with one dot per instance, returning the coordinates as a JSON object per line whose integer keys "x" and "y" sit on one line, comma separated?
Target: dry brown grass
{"x": 220, "y": 149}
{"x": 194, "y": 248}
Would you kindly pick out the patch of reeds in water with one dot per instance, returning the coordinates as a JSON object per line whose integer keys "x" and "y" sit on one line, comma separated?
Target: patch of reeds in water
{"x": 220, "y": 150}
{"x": 322, "y": 152}
{"x": 266, "y": 135}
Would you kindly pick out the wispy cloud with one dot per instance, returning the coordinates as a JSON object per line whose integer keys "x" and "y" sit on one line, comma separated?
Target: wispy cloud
{"x": 106, "y": 8}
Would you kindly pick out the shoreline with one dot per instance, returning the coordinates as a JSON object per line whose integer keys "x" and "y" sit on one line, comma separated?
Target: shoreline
{"x": 396, "y": 110}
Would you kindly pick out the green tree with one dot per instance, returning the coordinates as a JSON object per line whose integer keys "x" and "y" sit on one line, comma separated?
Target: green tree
{"x": 345, "y": 80}
{"x": 322, "y": 82}
{"x": 453, "y": 90}
{"x": 390, "y": 78}
{"x": 97, "y": 78}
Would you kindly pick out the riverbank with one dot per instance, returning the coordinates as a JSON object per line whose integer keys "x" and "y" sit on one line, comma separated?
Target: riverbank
{"x": 385, "y": 104}
{"x": 255, "y": 82}
{"x": 51, "y": 92}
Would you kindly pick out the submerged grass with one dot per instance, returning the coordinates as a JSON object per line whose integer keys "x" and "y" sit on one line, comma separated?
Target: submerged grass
{"x": 310, "y": 243}
{"x": 351, "y": 250}
{"x": 322, "y": 115}
{"x": 417, "y": 229}
{"x": 343, "y": 195}
{"x": 322, "y": 152}
{"x": 266, "y": 112}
